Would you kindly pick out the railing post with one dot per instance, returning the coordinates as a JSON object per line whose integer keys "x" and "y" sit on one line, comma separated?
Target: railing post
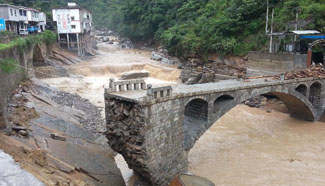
{"x": 149, "y": 90}
{"x": 112, "y": 86}
{"x": 143, "y": 85}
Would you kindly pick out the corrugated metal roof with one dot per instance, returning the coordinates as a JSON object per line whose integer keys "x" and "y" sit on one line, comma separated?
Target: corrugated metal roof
{"x": 303, "y": 32}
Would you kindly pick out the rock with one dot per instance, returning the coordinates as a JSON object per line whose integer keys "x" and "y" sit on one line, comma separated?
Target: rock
{"x": 191, "y": 81}
{"x": 194, "y": 80}
{"x": 195, "y": 62}
{"x": 254, "y": 102}
{"x": 23, "y": 133}
{"x": 18, "y": 128}
{"x": 157, "y": 56}
{"x": 165, "y": 61}
{"x": 206, "y": 78}
{"x": 56, "y": 136}
{"x": 189, "y": 180}
{"x": 134, "y": 75}
{"x": 106, "y": 39}
{"x": 170, "y": 61}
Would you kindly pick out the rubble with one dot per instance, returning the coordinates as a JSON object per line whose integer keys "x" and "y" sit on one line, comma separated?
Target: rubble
{"x": 56, "y": 136}
{"x": 164, "y": 59}
{"x": 315, "y": 71}
{"x": 196, "y": 71}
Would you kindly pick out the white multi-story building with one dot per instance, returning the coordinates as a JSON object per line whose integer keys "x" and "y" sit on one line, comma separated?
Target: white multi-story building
{"x": 11, "y": 16}
{"x": 17, "y": 18}
{"x": 42, "y": 21}
{"x": 23, "y": 21}
{"x": 74, "y": 25}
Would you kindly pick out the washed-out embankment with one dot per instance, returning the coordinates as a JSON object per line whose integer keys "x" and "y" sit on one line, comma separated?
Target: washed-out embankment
{"x": 17, "y": 64}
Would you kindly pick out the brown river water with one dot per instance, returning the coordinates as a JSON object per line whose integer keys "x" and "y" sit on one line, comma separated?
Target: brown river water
{"x": 247, "y": 146}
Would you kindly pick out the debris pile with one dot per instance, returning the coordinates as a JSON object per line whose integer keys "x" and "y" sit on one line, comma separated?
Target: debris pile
{"x": 315, "y": 71}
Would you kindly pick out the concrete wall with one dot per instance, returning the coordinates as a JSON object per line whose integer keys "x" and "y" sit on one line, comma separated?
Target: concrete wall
{"x": 278, "y": 62}
{"x": 4, "y": 12}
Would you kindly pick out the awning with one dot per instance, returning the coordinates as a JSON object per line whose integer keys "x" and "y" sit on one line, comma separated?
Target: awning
{"x": 305, "y": 32}
{"x": 312, "y": 37}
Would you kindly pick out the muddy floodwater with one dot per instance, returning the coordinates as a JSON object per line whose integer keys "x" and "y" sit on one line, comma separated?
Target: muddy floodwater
{"x": 247, "y": 146}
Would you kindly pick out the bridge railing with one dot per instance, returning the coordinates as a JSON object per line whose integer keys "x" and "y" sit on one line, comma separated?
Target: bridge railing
{"x": 121, "y": 86}
{"x": 139, "y": 84}
{"x": 159, "y": 92}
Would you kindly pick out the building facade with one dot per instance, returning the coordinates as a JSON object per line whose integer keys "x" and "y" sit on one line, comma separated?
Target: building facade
{"x": 19, "y": 18}
{"x": 74, "y": 26}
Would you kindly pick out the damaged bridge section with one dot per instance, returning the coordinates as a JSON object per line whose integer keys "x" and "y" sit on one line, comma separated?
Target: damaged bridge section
{"x": 154, "y": 128}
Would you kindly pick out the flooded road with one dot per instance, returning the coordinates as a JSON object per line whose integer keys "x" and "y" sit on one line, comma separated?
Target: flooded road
{"x": 247, "y": 146}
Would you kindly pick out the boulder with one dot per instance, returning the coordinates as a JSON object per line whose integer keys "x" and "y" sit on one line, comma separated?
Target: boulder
{"x": 134, "y": 75}
{"x": 105, "y": 39}
{"x": 157, "y": 56}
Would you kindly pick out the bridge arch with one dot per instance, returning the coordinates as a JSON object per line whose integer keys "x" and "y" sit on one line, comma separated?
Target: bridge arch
{"x": 195, "y": 120}
{"x": 302, "y": 89}
{"x": 296, "y": 102}
{"x": 222, "y": 101}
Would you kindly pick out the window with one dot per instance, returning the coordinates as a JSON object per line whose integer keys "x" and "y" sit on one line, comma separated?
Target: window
{"x": 15, "y": 12}
{"x": 11, "y": 12}
{"x": 73, "y": 26}
{"x": 72, "y": 18}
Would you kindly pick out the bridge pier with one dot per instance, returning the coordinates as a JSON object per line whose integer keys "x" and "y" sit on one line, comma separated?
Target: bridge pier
{"x": 149, "y": 137}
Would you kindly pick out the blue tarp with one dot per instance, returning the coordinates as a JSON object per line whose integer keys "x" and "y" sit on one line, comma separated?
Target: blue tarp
{"x": 312, "y": 37}
{"x": 2, "y": 24}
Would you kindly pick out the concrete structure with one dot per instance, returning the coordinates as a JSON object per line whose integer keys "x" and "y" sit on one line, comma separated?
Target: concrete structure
{"x": 11, "y": 15}
{"x": 155, "y": 133}
{"x": 36, "y": 18}
{"x": 74, "y": 26}
{"x": 276, "y": 62}
{"x": 23, "y": 20}
{"x": 18, "y": 17}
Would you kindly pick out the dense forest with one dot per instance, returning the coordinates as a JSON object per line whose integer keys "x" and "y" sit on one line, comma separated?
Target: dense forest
{"x": 196, "y": 27}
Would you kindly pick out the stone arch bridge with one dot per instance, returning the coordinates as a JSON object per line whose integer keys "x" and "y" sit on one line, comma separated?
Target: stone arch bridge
{"x": 154, "y": 128}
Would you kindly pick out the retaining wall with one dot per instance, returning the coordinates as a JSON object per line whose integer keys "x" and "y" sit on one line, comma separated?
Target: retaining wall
{"x": 278, "y": 62}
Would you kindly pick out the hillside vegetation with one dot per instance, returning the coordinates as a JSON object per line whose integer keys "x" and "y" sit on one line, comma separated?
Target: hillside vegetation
{"x": 196, "y": 27}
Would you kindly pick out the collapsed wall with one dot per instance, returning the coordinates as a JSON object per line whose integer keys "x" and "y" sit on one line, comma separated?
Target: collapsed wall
{"x": 16, "y": 64}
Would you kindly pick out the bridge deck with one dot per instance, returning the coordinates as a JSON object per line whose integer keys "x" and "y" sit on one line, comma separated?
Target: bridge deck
{"x": 221, "y": 86}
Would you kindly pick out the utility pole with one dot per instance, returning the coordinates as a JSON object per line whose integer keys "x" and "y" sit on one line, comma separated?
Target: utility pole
{"x": 267, "y": 17}
{"x": 296, "y": 26}
{"x": 271, "y": 34}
